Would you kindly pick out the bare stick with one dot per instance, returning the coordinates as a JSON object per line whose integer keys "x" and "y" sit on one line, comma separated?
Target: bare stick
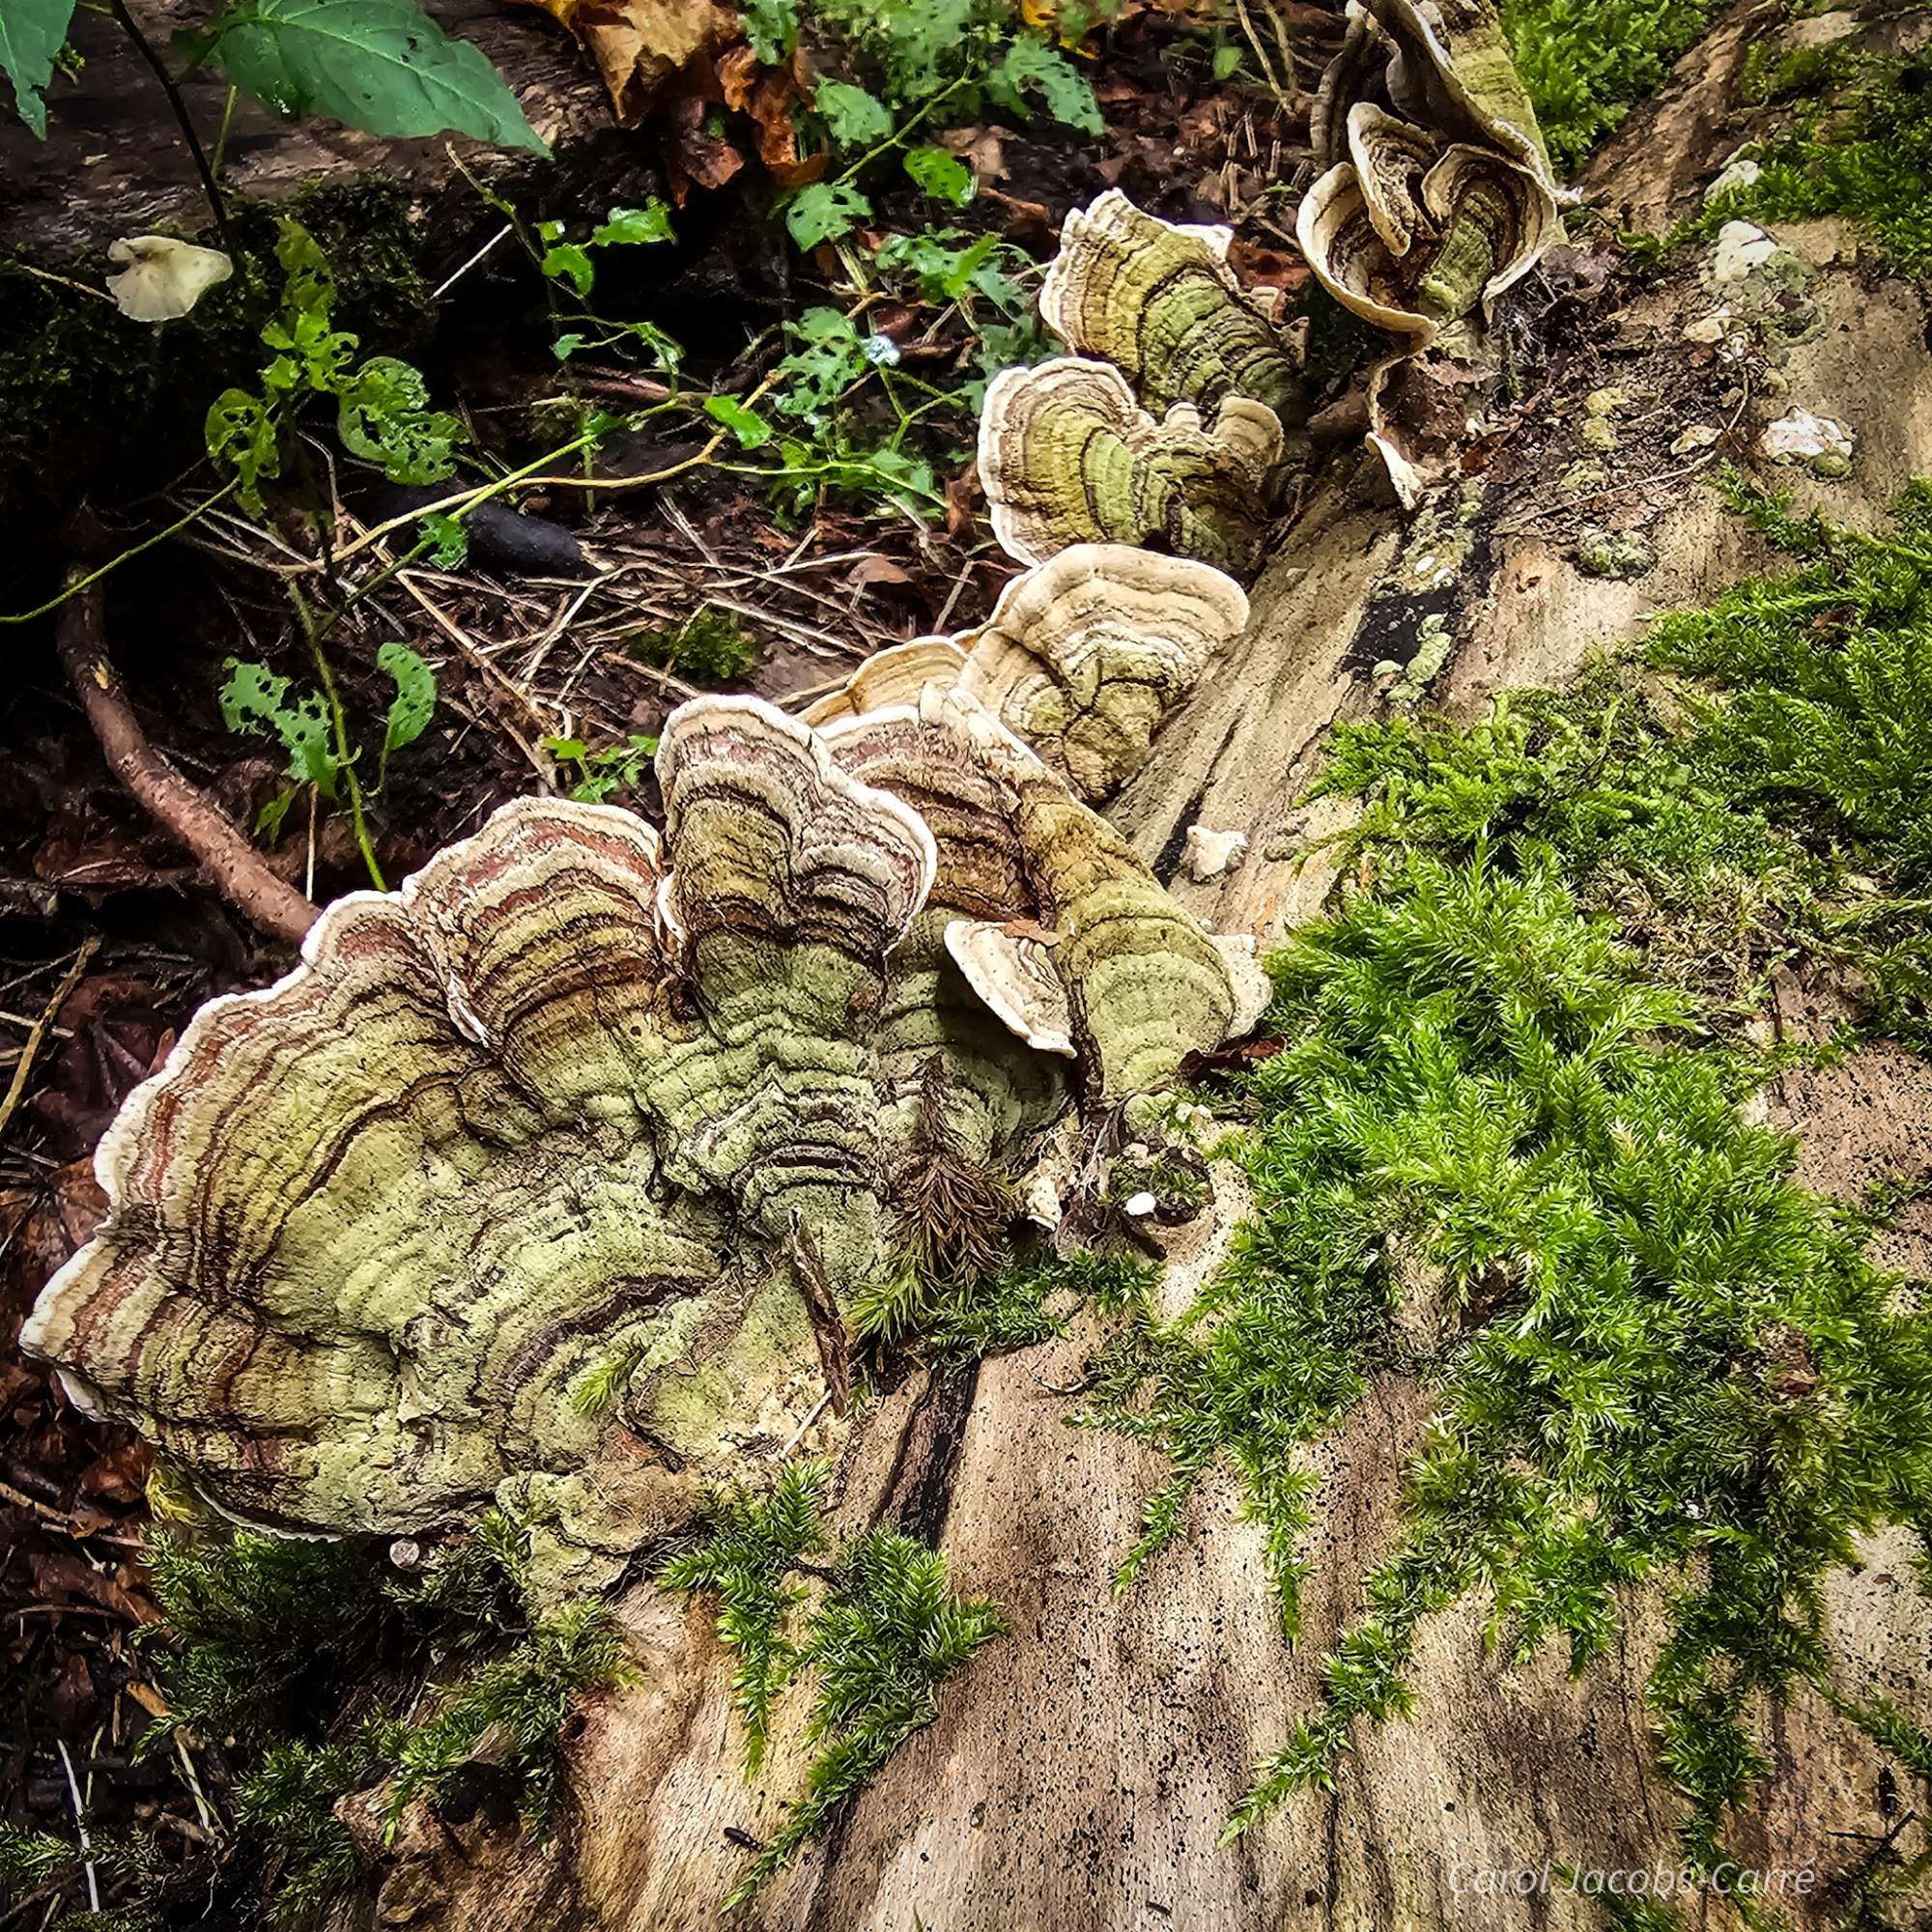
{"x": 233, "y": 866}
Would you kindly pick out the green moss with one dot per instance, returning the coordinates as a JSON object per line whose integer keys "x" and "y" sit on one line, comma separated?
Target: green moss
{"x": 1775, "y": 806}
{"x": 1502, "y": 1149}
{"x": 887, "y": 1632}
{"x": 887, "y": 1635}
{"x": 753, "y": 1544}
{"x": 710, "y": 647}
{"x": 1858, "y": 144}
{"x": 1586, "y": 62}
{"x": 278, "y": 1647}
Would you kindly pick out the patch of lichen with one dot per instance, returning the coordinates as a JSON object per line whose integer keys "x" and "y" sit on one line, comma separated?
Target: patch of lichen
{"x": 1501, "y": 1148}
{"x": 86, "y": 393}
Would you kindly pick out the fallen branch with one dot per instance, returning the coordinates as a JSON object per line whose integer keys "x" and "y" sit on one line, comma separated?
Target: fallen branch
{"x": 233, "y": 866}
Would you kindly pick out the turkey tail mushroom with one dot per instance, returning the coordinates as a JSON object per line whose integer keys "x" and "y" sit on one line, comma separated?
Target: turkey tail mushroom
{"x": 1068, "y": 456}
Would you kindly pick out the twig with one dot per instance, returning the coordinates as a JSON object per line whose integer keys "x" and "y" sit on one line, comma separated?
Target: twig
{"x": 39, "y": 1028}
{"x": 80, "y": 1828}
{"x": 234, "y": 868}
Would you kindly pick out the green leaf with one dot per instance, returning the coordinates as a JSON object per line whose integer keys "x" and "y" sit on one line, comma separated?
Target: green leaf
{"x": 31, "y": 33}
{"x": 943, "y": 176}
{"x": 1227, "y": 61}
{"x": 853, "y": 118}
{"x": 567, "y": 344}
{"x": 568, "y": 262}
{"x": 450, "y": 538}
{"x": 749, "y": 428}
{"x": 241, "y": 437}
{"x": 824, "y": 212}
{"x": 411, "y": 709}
{"x": 771, "y": 26}
{"x": 383, "y": 417}
{"x": 649, "y": 223}
{"x": 268, "y": 821}
{"x": 255, "y": 701}
{"x": 381, "y": 65}
{"x": 1031, "y": 66}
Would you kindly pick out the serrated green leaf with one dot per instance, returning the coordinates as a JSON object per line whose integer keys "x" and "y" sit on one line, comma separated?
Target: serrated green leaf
{"x": 381, "y": 66}
{"x": 853, "y": 118}
{"x": 242, "y": 436}
{"x": 751, "y": 429}
{"x": 566, "y": 262}
{"x": 450, "y": 538}
{"x": 771, "y": 26}
{"x": 414, "y": 702}
{"x": 824, "y": 212}
{"x": 943, "y": 176}
{"x": 31, "y": 34}
{"x": 649, "y": 223}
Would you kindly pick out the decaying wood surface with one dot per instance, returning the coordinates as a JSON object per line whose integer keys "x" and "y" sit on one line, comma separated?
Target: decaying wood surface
{"x": 1081, "y": 1771}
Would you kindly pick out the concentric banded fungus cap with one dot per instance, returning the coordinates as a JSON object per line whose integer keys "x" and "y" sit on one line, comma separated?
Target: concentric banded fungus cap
{"x": 1438, "y": 195}
{"x": 890, "y": 677}
{"x": 568, "y": 1113}
{"x": 1085, "y": 654}
{"x": 1160, "y": 302}
{"x": 1068, "y": 456}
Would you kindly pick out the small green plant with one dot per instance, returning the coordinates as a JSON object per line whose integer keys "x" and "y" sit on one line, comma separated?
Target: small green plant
{"x": 753, "y": 1543}
{"x": 887, "y": 1635}
{"x": 382, "y": 405}
{"x": 520, "y": 1700}
{"x": 312, "y": 729}
{"x": 921, "y": 62}
{"x": 608, "y": 771}
{"x": 263, "y": 1635}
{"x": 887, "y": 1632}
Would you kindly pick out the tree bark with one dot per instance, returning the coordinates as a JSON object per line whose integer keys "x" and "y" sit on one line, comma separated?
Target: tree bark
{"x": 1080, "y": 1773}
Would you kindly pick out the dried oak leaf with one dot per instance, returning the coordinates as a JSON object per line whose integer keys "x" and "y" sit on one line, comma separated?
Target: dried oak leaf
{"x": 640, "y": 44}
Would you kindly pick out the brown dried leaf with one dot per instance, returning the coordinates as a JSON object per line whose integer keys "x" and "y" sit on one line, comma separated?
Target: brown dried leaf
{"x": 640, "y": 44}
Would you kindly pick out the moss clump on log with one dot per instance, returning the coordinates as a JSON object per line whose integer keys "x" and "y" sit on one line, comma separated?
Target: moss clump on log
{"x": 1500, "y": 1150}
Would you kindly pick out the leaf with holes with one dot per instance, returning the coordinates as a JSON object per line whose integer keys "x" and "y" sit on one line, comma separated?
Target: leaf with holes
{"x": 383, "y": 417}
{"x": 943, "y": 176}
{"x": 649, "y": 223}
{"x": 414, "y": 702}
{"x": 255, "y": 701}
{"x": 381, "y": 65}
{"x": 824, "y": 212}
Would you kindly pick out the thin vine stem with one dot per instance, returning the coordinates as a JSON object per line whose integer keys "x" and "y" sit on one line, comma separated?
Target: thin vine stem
{"x": 210, "y": 187}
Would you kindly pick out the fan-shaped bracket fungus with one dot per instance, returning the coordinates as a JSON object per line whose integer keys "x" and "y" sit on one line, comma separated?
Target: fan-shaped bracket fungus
{"x": 1068, "y": 456}
{"x": 505, "y": 1191}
